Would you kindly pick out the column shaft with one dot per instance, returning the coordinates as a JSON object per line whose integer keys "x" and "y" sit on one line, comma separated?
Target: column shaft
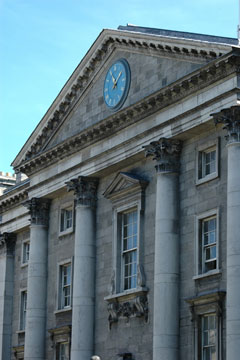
{"x": 166, "y": 260}
{"x": 84, "y": 268}
{"x": 83, "y": 285}
{"x": 36, "y": 294}
{"x": 233, "y": 252}
{"x": 35, "y": 332}
{"x": 166, "y": 272}
{"x": 230, "y": 118}
{"x": 7, "y": 244}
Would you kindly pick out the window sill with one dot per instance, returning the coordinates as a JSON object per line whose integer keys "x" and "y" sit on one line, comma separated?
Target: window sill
{"x": 66, "y": 232}
{"x": 207, "y": 274}
{"x": 206, "y": 178}
{"x": 63, "y": 310}
{"x": 20, "y": 332}
{"x": 127, "y": 294}
{"x": 23, "y": 265}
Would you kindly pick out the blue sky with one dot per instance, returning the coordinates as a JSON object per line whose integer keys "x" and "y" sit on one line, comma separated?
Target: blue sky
{"x": 42, "y": 42}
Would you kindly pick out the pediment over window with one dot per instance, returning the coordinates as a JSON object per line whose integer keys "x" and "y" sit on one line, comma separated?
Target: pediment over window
{"x": 210, "y": 302}
{"x": 125, "y": 184}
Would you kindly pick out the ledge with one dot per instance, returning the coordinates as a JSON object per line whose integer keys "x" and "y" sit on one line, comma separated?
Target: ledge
{"x": 127, "y": 294}
{"x": 207, "y": 178}
{"x": 62, "y": 310}
{"x": 65, "y": 232}
{"x": 208, "y": 274}
{"x": 20, "y": 332}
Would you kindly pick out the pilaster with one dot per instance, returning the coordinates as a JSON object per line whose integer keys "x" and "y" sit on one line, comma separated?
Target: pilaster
{"x": 230, "y": 118}
{"x": 166, "y": 152}
{"x": 7, "y": 246}
{"x": 85, "y": 189}
{"x": 37, "y": 280}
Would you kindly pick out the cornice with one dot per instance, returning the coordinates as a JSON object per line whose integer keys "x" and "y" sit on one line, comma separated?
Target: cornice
{"x": 87, "y": 69}
{"x": 207, "y": 75}
{"x": 13, "y": 199}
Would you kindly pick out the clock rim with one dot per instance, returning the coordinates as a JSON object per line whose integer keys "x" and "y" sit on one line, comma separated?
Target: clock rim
{"x": 127, "y": 84}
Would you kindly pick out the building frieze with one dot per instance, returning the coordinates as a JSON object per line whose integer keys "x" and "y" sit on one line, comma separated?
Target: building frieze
{"x": 38, "y": 158}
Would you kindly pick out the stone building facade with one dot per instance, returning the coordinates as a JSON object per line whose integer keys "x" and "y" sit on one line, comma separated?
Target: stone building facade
{"x": 123, "y": 240}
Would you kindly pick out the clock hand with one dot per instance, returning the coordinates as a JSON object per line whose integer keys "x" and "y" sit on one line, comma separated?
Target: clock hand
{"x": 118, "y": 77}
{"x": 113, "y": 79}
{"x": 115, "y": 84}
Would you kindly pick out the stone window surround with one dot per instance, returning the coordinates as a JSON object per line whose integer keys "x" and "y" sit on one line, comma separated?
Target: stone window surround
{"x": 132, "y": 302}
{"x": 129, "y": 198}
{"x": 198, "y": 220}
{"x": 203, "y": 148}
{"x": 58, "y": 301}
{"x": 20, "y": 330}
{"x": 66, "y": 206}
{"x": 60, "y": 335}
{"x": 209, "y": 303}
{"x": 24, "y": 263}
{"x": 18, "y": 352}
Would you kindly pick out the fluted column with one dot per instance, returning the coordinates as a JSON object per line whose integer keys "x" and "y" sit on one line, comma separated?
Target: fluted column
{"x": 35, "y": 332}
{"x": 7, "y": 246}
{"x": 230, "y": 118}
{"x": 84, "y": 268}
{"x": 166, "y": 261}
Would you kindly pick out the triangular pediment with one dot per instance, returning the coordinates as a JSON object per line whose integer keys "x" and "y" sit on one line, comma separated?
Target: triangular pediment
{"x": 155, "y": 62}
{"x": 123, "y": 184}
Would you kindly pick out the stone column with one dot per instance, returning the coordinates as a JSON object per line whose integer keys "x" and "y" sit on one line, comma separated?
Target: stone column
{"x": 35, "y": 332}
{"x": 166, "y": 262}
{"x": 231, "y": 120}
{"x": 84, "y": 268}
{"x": 7, "y": 247}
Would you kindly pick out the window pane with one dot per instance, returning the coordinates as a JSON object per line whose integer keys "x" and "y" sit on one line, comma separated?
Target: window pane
{"x": 129, "y": 242}
{"x": 212, "y": 224}
{"x": 213, "y": 353}
{"x": 207, "y": 354}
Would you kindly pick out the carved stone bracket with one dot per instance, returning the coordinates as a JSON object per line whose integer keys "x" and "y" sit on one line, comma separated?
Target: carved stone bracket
{"x": 230, "y": 118}
{"x": 166, "y": 152}
{"x": 135, "y": 307}
{"x": 8, "y": 240}
{"x": 85, "y": 189}
{"x": 39, "y": 209}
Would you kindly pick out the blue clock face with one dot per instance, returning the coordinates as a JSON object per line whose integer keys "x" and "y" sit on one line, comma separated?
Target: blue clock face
{"x": 116, "y": 84}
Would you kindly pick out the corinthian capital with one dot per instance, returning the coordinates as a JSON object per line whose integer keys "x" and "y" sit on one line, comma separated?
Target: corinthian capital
{"x": 39, "y": 210}
{"x": 8, "y": 240}
{"x": 166, "y": 152}
{"x": 85, "y": 189}
{"x": 230, "y": 118}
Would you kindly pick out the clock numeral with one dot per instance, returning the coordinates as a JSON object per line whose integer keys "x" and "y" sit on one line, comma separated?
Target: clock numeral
{"x": 114, "y": 102}
{"x": 122, "y": 88}
{"x": 110, "y": 100}
{"x": 123, "y": 79}
{"x": 106, "y": 89}
{"x": 107, "y": 96}
{"x": 107, "y": 80}
{"x": 115, "y": 68}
